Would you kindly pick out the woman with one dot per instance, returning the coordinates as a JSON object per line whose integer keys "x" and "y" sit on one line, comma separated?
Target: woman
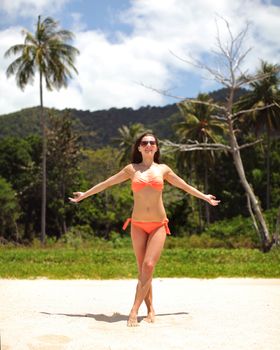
{"x": 149, "y": 224}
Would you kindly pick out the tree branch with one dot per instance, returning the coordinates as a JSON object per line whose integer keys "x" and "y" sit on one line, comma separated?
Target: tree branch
{"x": 218, "y": 117}
{"x": 234, "y": 115}
{"x": 211, "y": 104}
{"x": 214, "y": 72}
{"x": 252, "y": 214}
{"x": 277, "y": 228}
{"x": 183, "y": 99}
{"x": 162, "y": 92}
{"x": 194, "y": 146}
{"x": 250, "y": 144}
{"x": 245, "y": 80}
{"x": 240, "y": 59}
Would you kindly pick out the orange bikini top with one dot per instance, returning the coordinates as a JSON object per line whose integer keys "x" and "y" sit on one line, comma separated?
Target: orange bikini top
{"x": 138, "y": 183}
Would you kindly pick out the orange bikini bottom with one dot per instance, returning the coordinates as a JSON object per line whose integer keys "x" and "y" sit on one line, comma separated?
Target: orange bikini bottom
{"x": 148, "y": 226}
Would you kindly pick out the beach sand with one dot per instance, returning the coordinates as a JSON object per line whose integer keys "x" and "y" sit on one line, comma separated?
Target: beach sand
{"x": 195, "y": 314}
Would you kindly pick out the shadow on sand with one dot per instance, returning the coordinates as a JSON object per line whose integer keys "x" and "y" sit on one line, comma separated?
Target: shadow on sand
{"x": 116, "y": 317}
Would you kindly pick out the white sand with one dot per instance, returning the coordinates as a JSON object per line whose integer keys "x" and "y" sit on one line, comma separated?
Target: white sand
{"x": 218, "y": 314}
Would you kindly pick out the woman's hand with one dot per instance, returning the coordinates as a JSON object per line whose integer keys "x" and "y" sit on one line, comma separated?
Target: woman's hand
{"x": 78, "y": 196}
{"x": 211, "y": 199}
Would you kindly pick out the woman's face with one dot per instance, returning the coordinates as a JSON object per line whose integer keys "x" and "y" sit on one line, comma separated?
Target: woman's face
{"x": 148, "y": 146}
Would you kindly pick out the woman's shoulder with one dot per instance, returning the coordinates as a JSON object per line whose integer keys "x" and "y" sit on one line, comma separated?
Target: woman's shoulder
{"x": 133, "y": 167}
{"x": 130, "y": 168}
{"x": 164, "y": 167}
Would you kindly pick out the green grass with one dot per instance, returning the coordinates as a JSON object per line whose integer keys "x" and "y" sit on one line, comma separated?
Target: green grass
{"x": 104, "y": 260}
{"x": 211, "y": 263}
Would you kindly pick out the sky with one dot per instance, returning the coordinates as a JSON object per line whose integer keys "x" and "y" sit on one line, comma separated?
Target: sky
{"x": 127, "y": 46}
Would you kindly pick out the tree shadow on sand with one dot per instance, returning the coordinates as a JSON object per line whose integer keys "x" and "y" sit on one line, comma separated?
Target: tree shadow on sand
{"x": 116, "y": 317}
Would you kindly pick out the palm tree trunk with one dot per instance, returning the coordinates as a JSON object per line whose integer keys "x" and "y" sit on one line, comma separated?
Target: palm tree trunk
{"x": 206, "y": 187}
{"x": 64, "y": 226}
{"x": 17, "y": 232}
{"x": 268, "y": 171}
{"x": 200, "y": 213}
{"x": 200, "y": 221}
{"x": 207, "y": 209}
{"x": 277, "y": 229}
{"x": 261, "y": 224}
{"x": 44, "y": 176}
{"x": 199, "y": 206}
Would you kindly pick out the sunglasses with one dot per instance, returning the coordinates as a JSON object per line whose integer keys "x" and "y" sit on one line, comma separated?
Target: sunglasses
{"x": 145, "y": 143}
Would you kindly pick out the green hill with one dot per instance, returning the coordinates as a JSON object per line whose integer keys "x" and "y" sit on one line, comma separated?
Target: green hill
{"x": 99, "y": 128}
{"x": 96, "y": 128}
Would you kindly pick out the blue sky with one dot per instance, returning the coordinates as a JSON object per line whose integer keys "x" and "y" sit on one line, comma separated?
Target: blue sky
{"x": 125, "y": 44}
{"x": 102, "y": 15}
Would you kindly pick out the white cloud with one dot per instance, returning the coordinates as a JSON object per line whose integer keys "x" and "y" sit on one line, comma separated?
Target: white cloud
{"x": 188, "y": 27}
{"x": 27, "y": 8}
{"x": 78, "y": 24}
{"x": 110, "y": 72}
{"x": 11, "y": 98}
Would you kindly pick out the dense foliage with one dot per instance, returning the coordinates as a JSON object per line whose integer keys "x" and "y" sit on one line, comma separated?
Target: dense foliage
{"x": 83, "y": 149}
{"x": 96, "y": 129}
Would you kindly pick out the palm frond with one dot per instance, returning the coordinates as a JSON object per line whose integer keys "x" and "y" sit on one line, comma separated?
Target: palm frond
{"x": 264, "y": 91}
{"x": 46, "y": 51}
{"x": 63, "y": 35}
{"x": 25, "y": 74}
{"x": 14, "y": 50}
{"x": 12, "y": 68}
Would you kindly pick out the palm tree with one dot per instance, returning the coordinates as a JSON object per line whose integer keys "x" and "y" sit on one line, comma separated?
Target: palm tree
{"x": 47, "y": 52}
{"x": 127, "y": 138}
{"x": 199, "y": 125}
{"x": 264, "y": 92}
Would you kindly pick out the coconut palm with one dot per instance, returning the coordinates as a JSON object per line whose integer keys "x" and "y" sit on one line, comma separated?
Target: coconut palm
{"x": 264, "y": 92}
{"x": 127, "y": 138}
{"x": 199, "y": 125}
{"x": 46, "y": 51}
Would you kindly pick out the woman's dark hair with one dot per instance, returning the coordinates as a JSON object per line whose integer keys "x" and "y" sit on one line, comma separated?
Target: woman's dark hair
{"x": 137, "y": 156}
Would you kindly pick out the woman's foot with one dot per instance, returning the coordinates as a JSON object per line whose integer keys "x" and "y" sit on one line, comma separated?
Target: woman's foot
{"x": 150, "y": 317}
{"x": 132, "y": 320}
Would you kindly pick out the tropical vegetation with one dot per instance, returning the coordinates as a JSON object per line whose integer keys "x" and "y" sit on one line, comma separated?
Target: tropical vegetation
{"x": 84, "y": 148}
{"x": 48, "y": 52}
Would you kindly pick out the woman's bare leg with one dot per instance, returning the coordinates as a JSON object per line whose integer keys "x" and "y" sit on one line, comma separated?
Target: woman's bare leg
{"x": 149, "y": 297}
{"x": 149, "y": 303}
{"x": 139, "y": 242}
{"x": 150, "y": 309}
{"x": 154, "y": 246}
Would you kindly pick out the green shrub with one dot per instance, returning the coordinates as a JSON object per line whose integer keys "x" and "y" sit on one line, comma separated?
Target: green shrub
{"x": 77, "y": 235}
{"x": 234, "y": 232}
{"x": 116, "y": 240}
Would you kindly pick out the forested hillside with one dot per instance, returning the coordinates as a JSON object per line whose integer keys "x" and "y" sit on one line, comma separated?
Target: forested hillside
{"x": 99, "y": 128}
{"x": 86, "y": 147}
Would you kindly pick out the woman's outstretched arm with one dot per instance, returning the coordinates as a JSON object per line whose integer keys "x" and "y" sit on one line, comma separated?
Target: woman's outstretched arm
{"x": 176, "y": 181}
{"x": 121, "y": 176}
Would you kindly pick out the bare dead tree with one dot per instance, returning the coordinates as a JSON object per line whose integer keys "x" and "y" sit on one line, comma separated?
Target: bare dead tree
{"x": 277, "y": 229}
{"x": 230, "y": 56}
